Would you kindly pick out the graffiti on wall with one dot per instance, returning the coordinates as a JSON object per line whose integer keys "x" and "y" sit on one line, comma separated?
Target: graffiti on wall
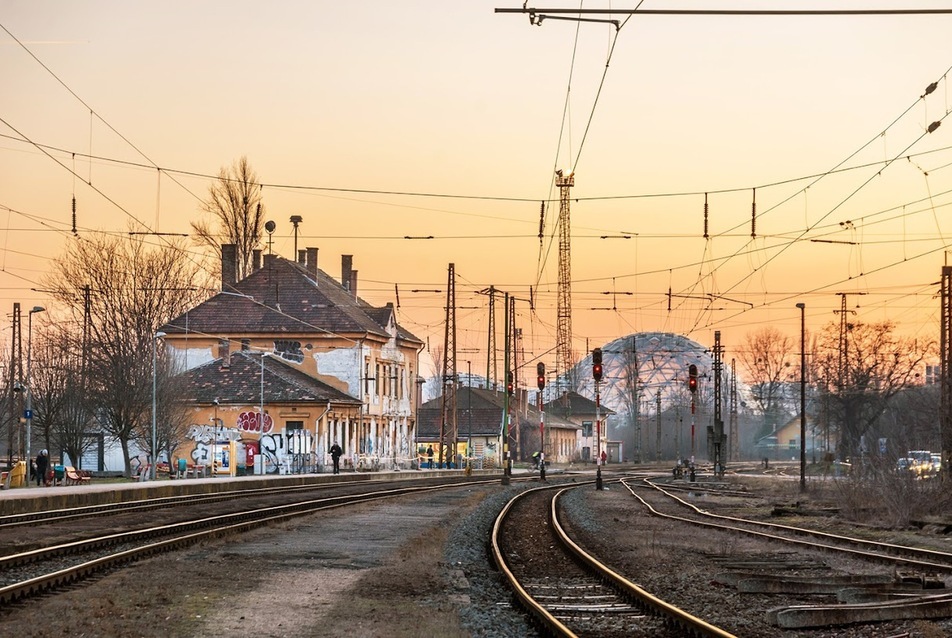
{"x": 202, "y": 433}
{"x": 289, "y": 350}
{"x": 251, "y": 422}
{"x": 211, "y": 440}
{"x": 286, "y": 447}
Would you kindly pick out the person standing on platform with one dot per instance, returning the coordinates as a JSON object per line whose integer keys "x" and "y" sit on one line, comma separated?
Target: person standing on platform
{"x": 335, "y": 456}
{"x": 42, "y": 464}
{"x": 429, "y": 456}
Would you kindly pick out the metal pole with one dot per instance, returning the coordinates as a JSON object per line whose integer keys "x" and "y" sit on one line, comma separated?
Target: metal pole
{"x": 803, "y": 399}
{"x": 155, "y": 338}
{"x": 29, "y": 379}
{"x": 598, "y": 439}
{"x": 261, "y": 414}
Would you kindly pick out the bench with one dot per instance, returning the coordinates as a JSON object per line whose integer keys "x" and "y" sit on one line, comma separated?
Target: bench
{"x": 77, "y": 477}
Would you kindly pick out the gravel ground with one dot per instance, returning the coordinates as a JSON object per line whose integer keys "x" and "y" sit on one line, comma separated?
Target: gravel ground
{"x": 406, "y": 567}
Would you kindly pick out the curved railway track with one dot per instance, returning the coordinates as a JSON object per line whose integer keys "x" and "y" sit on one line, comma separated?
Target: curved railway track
{"x": 568, "y": 591}
{"x": 914, "y": 592}
{"x": 912, "y": 557}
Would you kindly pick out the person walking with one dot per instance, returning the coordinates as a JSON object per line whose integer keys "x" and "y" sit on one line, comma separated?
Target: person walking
{"x": 42, "y": 464}
{"x": 335, "y": 456}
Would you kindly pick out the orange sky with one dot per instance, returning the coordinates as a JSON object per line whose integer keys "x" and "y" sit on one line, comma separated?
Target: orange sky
{"x": 467, "y": 109}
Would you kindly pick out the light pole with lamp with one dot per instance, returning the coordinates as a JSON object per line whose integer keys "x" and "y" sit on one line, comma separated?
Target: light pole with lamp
{"x": 155, "y": 454}
{"x": 215, "y": 402}
{"x": 28, "y": 411}
{"x": 261, "y": 414}
{"x": 803, "y": 398}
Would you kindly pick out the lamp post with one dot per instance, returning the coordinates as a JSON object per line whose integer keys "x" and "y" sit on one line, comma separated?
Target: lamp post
{"x": 261, "y": 414}
{"x": 155, "y": 454}
{"x": 215, "y": 439}
{"x": 803, "y": 395}
{"x": 29, "y": 378}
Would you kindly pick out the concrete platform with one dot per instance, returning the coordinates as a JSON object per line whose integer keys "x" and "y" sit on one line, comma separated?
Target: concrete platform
{"x": 23, "y": 500}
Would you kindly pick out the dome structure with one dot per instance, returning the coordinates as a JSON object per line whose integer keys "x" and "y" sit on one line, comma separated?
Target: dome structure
{"x": 661, "y": 359}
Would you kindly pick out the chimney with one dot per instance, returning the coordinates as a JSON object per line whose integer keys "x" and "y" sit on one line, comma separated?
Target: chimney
{"x": 312, "y": 262}
{"x": 229, "y": 266}
{"x": 346, "y": 265}
{"x": 224, "y": 353}
{"x": 255, "y": 259}
{"x": 302, "y": 256}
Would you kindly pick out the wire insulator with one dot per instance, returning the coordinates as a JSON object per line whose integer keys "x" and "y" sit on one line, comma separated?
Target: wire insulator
{"x": 934, "y": 126}
{"x": 753, "y": 216}
{"x": 929, "y": 89}
{"x": 541, "y": 219}
{"x": 706, "y": 236}
{"x": 74, "y": 214}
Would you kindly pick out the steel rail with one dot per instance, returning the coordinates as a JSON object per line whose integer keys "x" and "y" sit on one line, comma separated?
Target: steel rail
{"x": 889, "y": 550}
{"x": 683, "y": 619}
{"x": 214, "y": 527}
{"x": 630, "y": 590}
{"x": 794, "y": 541}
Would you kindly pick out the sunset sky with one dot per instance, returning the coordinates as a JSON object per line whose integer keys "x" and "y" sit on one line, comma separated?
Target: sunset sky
{"x": 377, "y": 121}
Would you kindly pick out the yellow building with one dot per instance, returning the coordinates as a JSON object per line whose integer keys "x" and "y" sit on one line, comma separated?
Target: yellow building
{"x": 289, "y": 360}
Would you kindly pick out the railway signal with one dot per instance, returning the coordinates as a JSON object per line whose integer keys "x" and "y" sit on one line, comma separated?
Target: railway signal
{"x": 692, "y": 378}
{"x": 540, "y": 373}
{"x": 597, "y": 364}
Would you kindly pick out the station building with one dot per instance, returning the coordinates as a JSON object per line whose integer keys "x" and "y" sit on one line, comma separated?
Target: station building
{"x": 283, "y": 363}
{"x": 480, "y": 427}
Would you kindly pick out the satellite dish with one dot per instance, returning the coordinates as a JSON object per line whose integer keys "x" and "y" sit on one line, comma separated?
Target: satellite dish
{"x": 269, "y": 226}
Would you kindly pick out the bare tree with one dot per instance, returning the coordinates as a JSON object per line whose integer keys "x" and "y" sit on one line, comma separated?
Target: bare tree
{"x": 62, "y": 411}
{"x": 766, "y": 356}
{"x": 171, "y": 411}
{"x": 875, "y": 367}
{"x": 235, "y": 201}
{"x": 133, "y": 290}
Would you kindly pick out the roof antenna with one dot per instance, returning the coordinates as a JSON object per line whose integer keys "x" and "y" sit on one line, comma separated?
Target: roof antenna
{"x": 296, "y": 219}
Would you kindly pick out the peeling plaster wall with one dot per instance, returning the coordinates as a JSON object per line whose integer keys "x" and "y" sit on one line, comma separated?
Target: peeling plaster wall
{"x": 344, "y": 364}
{"x": 186, "y": 359}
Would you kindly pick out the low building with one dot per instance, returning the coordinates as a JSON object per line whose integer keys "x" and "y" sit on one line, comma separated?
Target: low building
{"x": 291, "y": 348}
{"x": 480, "y": 423}
{"x": 590, "y": 419}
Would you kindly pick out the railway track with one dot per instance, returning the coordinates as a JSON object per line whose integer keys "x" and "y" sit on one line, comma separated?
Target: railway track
{"x": 914, "y": 591}
{"x": 570, "y": 592}
{"x": 24, "y": 574}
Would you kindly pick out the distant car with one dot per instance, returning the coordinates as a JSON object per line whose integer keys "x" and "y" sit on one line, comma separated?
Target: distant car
{"x": 905, "y": 467}
{"x": 921, "y": 463}
{"x": 936, "y": 463}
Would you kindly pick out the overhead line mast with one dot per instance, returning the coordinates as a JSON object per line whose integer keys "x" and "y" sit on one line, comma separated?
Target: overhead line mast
{"x": 564, "y": 359}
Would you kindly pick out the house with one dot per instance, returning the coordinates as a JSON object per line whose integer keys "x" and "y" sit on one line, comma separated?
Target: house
{"x": 289, "y": 360}
{"x": 784, "y": 442}
{"x": 590, "y": 418}
{"x": 479, "y": 418}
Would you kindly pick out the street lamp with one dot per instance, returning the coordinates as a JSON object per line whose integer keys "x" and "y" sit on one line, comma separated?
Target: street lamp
{"x": 261, "y": 414}
{"x": 155, "y": 455}
{"x": 215, "y": 439}
{"x": 803, "y": 399}
{"x": 29, "y": 378}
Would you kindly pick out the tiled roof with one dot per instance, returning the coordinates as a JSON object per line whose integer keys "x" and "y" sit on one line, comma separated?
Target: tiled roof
{"x": 574, "y": 404}
{"x": 478, "y": 409}
{"x": 281, "y": 297}
{"x": 241, "y": 383}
